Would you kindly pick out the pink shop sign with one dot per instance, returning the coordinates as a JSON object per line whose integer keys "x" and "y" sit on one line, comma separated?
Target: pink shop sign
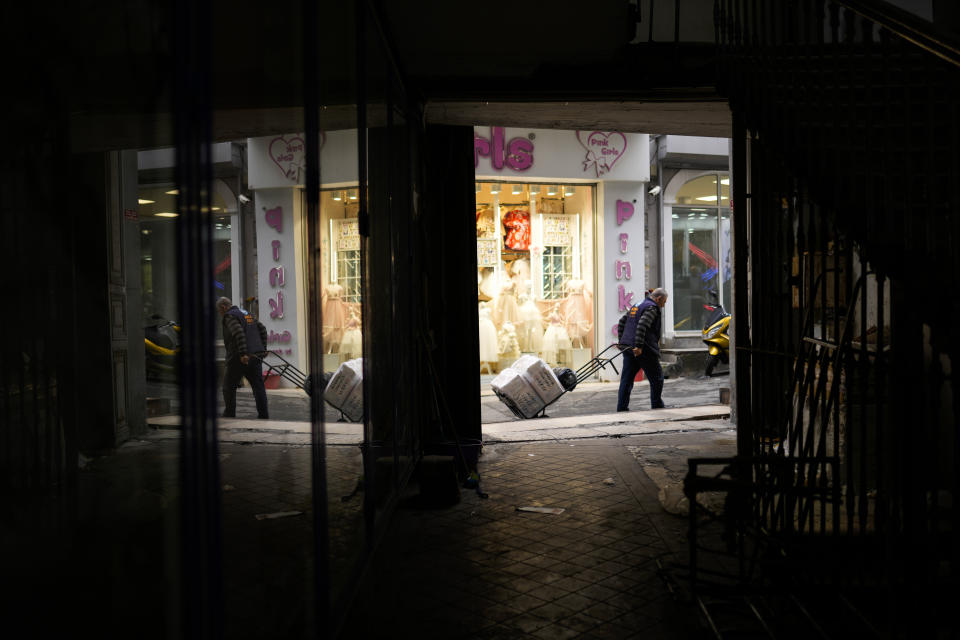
{"x": 515, "y": 154}
{"x": 289, "y": 154}
{"x": 603, "y": 148}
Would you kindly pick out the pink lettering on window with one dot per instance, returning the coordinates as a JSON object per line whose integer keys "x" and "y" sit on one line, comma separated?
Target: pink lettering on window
{"x": 276, "y": 306}
{"x": 623, "y": 270}
{"x": 276, "y": 249}
{"x": 624, "y": 211}
{"x": 274, "y": 218}
{"x": 623, "y": 242}
{"x": 624, "y": 297}
{"x": 276, "y": 277}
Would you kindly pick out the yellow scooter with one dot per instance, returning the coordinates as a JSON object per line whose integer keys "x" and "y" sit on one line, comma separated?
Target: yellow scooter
{"x": 716, "y": 335}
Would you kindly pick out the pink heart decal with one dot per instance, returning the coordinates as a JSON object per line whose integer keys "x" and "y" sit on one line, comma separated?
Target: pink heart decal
{"x": 288, "y": 154}
{"x": 604, "y": 148}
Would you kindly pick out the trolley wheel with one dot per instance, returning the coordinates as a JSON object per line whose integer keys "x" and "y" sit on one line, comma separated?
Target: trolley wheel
{"x": 711, "y": 364}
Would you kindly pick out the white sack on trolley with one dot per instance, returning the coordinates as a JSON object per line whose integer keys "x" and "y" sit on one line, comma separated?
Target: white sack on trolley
{"x": 513, "y": 386}
{"x": 345, "y": 391}
{"x": 540, "y": 377}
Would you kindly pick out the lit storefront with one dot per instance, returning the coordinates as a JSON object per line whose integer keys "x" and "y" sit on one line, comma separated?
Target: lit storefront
{"x": 560, "y": 241}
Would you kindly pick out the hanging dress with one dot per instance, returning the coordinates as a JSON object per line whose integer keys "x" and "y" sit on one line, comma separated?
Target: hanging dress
{"x": 334, "y": 317}
{"x": 530, "y": 326}
{"x": 507, "y": 309}
{"x": 577, "y": 313}
{"x": 517, "y": 222}
{"x": 488, "y": 336}
{"x": 352, "y": 344}
{"x": 555, "y": 338}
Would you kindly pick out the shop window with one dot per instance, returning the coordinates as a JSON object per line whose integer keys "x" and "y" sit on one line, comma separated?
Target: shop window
{"x": 347, "y": 266}
{"x": 342, "y": 291}
{"x": 701, "y": 257}
{"x": 535, "y": 275}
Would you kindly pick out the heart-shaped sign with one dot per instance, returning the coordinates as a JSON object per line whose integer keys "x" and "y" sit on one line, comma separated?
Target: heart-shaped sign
{"x": 288, "y": 153}
{"x": 604, "y": 148}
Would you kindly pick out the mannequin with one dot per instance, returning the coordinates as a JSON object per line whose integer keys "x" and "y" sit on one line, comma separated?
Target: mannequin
{"x": 577, "y": 313}
{"x": 555, "y": 338}
{"x": 530, "y": 326}
{"x": 334, "y": 317}
{"x": 520, "y": 274}
{"x": 507, "y": 309}
{"x": 508, "y": 346}
{"x": 352, "y": 344}
{"x": 488, "y": 336}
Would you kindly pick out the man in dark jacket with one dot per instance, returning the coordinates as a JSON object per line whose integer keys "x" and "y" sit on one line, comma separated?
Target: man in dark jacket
{"x": 639, "y": 332}
{"x": 244, "y": 337}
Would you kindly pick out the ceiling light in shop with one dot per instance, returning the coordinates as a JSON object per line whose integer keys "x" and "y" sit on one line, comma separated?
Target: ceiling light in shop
{"x": 495, "y": 187}
{"x": 338, "y": 195}
{"x": 689, "y": 230}
{"x": 569, "y": 190}
{"x": 676, "y": 215}
{"x": 144, "y": 201}
{"x": 534, "y": 189}
{"x": 725, "y": 181}
{"x": 352, "y": 194}
{"x": 707, "y": 198}
{"x": 166, "y": 214}
{"x": 552, "y": 190}
{"x": 214, "y": 208}
{"x": 173, "y": 192}
{"x": 517, "y": 189}
{"x": 145, "y": 232}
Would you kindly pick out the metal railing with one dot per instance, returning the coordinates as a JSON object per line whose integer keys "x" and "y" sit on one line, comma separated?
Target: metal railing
{"x": 846, "y": 157}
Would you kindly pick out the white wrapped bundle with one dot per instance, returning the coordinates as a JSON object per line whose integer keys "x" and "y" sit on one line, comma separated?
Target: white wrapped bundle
{"x": 347, "y": 377}
{"x": 540, "y": 377}
{"x": 352, "y": 407}
{"x": 513, "y": 386}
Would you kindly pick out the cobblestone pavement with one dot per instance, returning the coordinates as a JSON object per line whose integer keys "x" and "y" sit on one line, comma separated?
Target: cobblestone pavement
{"x": 481, "y": 569}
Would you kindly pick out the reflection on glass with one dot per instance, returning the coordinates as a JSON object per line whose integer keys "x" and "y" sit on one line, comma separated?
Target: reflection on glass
{"x": 695, "y": 265}
{"x": 535, "y": 277}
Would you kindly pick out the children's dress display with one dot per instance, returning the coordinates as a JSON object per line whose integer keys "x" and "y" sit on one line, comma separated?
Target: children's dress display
{"x": 577, "y": 313}
{"x": 335, "y": 313}
{"x": 530, "y": 326}
{"x": 488, "y": 336}
{"x": 507, "y": 309}
{"x": 517, "y": 222}
{"x": 352, "y": 344}
{"x": 555, "y": 339}
{"x": 508, "y": 346}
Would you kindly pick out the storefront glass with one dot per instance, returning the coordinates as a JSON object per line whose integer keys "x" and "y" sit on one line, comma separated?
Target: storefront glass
{"x": 535, "y": 274}
{"x": 342, "y": 315}
{"x": 701, "y": 249}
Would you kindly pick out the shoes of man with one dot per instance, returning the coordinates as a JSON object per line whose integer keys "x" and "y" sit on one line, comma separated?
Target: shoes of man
{"x": 619, "y": 410}
{"x": 228, "y": 415}
{"x": 263, "y": 417}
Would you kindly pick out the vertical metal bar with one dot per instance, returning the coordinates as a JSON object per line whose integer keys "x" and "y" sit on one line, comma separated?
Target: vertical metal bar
{"x": 202, "y": 598}
{"x": 310, "y": 21}
{"x": 740, "y": 185}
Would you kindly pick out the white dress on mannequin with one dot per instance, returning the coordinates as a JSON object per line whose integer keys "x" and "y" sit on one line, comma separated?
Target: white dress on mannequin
{"x": 352, "y": 344}
{"x": 577, "y": 312}
{"x": 530, "y": 326}
{"x": 507, "y": 309}
{"x": 555, "y": 338}
{"x": 488, "y": 336}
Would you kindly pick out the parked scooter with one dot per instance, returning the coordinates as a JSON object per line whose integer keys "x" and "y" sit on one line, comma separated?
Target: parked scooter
{"x": 716, "y": 334}
{"x": 161, "y": 341}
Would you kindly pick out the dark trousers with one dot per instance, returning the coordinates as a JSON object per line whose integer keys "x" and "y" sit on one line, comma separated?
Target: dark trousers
{"x": 650, "y": 363}
{"x": 253, "y": 372}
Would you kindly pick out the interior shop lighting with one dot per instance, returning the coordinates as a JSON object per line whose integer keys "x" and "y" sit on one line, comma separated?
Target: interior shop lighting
{"x": 144, "y": 201}
{"x": 352, "y": 194}
{"x": 338, "y": 195}
{"x": 676, "y": 215}
{"x": 707, "y": 198}
{"x": 534, "y": 189}
{"x": 214, "y": 208}
{"x": 569, "y": 190}
{"x": 166, "y": 214}
{"x": 173, "y": 192}
{"x": 517, "y": 189}
{"x": 725, "y": 181}
{"x": 552, "y": 190}
{"x": 495, "y": 187}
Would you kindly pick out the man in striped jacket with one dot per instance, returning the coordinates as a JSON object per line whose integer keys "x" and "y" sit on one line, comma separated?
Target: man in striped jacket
{"x": 244, "y": 339}
{"x": 639, "y": 333}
